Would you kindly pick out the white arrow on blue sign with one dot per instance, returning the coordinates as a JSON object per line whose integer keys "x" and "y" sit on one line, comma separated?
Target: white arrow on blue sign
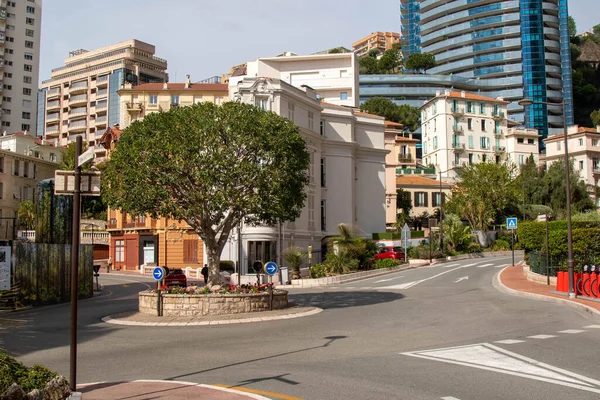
{"x": 158, "y": 273}
{"x": 511, "y": 223}
{"x": 271, "y": 268}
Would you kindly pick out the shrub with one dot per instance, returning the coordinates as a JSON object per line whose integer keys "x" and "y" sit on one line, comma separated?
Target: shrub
{"x": 387, "y": 263}
{"x": 294, "y": 256}
{"x": 473, "y": 248}
{"x": 339, "y": 264}
{"x": 422, "y": 252}
{"x": 500, "y": 245}
{"x": 317, "y": 271}
{"x": 13, "y": 371}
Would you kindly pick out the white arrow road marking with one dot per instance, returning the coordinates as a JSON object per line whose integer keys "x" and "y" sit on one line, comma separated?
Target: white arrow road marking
{"x": 464, "y": 278}
{"x": 411, "y": 284}
{"x": 484, "y": 265}
{"x": 390, "y": 279}
{"x": 541, "y": 337}
{"x": 493, "y": 358}
{"x": 572, "y": 331}
{"x": 510, "y": 341}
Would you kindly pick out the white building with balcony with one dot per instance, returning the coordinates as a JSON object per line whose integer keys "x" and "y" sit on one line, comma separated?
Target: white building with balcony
{"x": 461, "y": 128}
{"x": 334, "y": 77}
{"x": 584, "y": 153}
{"x": 347, "y": 171}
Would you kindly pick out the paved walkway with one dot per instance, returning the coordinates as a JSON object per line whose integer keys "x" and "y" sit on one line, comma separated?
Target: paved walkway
{"x": 172, "y": 390}
{"x": 514, "y": 279}
{"x": 137, "y": 319}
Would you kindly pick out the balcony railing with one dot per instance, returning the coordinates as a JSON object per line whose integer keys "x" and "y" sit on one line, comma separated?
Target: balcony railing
{"x": 102, "y": 79}
{"x": 78, "y": 125}
{"x": 102, "y": 93}
{"x": 153, "y": 107}
{"x": 52, "y": 117}
{"x": 499, "y": 132}
{"x": 499, "y": 149}
{"x": 458, "y": 110}
{"x": 101, "y": 106}
{"x": 129, "y": 225}
{"x": 111, "y": 226}
{"x": 134, "y": 106}
{"x": 458, "y": 146}
{"x": 458, "y": 130}
{"x": 405, "y": 157}
{"x": 53, "y": 104}
{"x": 78, "y": 111}
{"x": 52, "y": 130}
{"x": 498, "y": 115}
{"x": 596, "y": 169}
{"x": 53, "y": 92}
{"x": 102, "y": 119}
{"x": 82, "y": 98}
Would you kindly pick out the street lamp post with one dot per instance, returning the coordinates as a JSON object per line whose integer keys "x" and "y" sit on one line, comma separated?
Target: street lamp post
{"x": 570, "y": 260}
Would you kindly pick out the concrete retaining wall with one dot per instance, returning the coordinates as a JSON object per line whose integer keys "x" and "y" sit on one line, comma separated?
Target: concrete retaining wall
{"x": 183, "y": 305}
{"x": 532, "y": 276}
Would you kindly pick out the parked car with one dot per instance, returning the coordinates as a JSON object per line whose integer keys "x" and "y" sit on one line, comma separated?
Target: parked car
{"x": 175, "y": 277}
{"x": 394, "y": 252}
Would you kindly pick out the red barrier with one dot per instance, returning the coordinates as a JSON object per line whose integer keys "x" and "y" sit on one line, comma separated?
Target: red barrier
{"x": 577, "y": 288}
{"x": 594, "y": 284}
{"x": 586, "y": 284}
{"x": 561, "y": 279}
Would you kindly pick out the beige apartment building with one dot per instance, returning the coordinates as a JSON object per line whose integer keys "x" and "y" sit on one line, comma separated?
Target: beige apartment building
{"x": 426, "y": 194}
{"x": 20, "y": 32}
{"x": 139, "y": 101}
{"x": 81, "y": 97}
{"x": 24, "y": 161}
{"x": 381, "y": 41}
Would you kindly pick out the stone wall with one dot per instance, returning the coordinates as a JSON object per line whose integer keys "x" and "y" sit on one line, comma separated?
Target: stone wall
{"x": 180, "y": 305}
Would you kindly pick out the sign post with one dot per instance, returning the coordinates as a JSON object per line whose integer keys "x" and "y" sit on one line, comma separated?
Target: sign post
{"x": 158, "y": 274}
{"x": 405, "y": 238}
{"x": 511, "y": 224}
{"x": 271, "y": 269}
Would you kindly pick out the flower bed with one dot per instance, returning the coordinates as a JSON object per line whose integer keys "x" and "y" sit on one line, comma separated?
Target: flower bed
{"x": 190, "y": 302}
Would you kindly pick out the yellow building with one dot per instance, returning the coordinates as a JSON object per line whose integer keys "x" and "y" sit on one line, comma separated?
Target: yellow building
{"x": 381, "y": 41}
{"x": 138, "y": 240}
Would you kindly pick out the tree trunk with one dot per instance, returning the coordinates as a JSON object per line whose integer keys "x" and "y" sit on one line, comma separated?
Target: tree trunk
{"x": 214, "y": 270}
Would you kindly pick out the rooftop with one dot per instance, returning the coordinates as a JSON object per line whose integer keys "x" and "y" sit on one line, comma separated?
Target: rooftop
{"x": 208, "y": 87}
{"x": 408, "y": 180}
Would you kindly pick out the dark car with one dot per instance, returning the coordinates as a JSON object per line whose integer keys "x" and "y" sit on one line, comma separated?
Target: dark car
{"x": 394, "y": 252}
{"x": 175, "y": 277}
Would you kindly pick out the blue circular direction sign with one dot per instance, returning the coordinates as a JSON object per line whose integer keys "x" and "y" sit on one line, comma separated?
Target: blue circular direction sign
{"x": 158, "y": 273}
{"x": 271, "y": 268}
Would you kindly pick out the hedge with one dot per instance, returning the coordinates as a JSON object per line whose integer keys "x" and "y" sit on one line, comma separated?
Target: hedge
{"x": 397, "y": 236}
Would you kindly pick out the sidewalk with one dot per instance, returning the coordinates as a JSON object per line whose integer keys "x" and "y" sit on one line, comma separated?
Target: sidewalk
{"x": 172, "y": 390}
{"x": 513, "y": 280}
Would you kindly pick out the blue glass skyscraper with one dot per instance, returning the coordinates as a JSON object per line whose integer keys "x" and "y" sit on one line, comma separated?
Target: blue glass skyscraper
{"x": 513, "y": 49}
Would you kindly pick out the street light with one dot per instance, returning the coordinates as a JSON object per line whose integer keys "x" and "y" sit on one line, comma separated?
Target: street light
{"x": 570, "y": 261}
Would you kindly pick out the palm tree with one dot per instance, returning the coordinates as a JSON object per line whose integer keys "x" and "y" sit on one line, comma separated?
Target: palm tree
{"x": 346, "y": 240}
{"x": 294, "y": 256}
{"x": 341, "y": 263}
{"x": 26, "y": 214}
{"x": 455, "y": 233}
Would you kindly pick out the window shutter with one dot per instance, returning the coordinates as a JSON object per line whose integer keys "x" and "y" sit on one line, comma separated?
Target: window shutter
{"x": 426, "y": 196}
{"x": 417, "y": 199}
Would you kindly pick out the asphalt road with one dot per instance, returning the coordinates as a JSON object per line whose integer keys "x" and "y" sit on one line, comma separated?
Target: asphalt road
{"x": 440, "y": 332}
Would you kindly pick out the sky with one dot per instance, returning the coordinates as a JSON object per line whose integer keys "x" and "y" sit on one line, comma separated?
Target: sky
{"x": 205, "y": 38}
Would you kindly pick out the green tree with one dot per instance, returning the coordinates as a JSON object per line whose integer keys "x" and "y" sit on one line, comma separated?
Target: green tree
{"x": 480, "y": 202}
{"x": 408, "y": 116}
{"x": 210, "y": 166}
{"x": 346, "y": 239}
{"x": 26, "y": 214}
{"x": 556, "y": 196}
{"x": 572, "y": 27}
{"x": 403, "y": 201}
{"x": 420, "y": 61}
{"x": 391, "y": 61}
{"x": 595, "y": 116}
{"x": 457, "y": 236}
{"x": 368, "y": 65}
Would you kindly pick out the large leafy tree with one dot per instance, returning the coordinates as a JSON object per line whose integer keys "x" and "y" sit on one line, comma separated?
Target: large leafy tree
{"x": 595, "y": 116}
{"x": 368, "y": 65}
{"x": 391, "y": 61}
{"x": 210, "y": 166}
{"x": 420, "y": 61}
{"x": 408, "y": 116}
{"x": 485, "y": 191}
{"x": 556, "y": 195}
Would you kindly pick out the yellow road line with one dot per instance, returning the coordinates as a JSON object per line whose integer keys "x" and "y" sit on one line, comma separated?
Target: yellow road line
{"x": 262, "y": 392}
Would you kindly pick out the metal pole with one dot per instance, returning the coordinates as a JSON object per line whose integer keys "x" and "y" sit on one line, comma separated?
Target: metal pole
{"x": 570, "y": 261}
{"x": 441, "y": 217}
{"x": 75, "y": 264}
{"x": 547, "y": 256}
{"x": 239, "y": 253}
{"x": 512, "y": 246}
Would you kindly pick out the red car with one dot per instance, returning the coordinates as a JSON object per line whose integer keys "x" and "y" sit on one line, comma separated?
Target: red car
{"x": 394, "y": 252}
{"x": 175, "y": 277}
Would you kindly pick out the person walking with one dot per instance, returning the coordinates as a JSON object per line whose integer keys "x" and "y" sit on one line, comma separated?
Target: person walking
{"x": 204, "y": 273}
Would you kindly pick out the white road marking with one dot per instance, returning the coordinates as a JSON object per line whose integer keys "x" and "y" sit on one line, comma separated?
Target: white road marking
{"x": 493, "y": 358}
{"x": 541, "y": 337}
{"x": 449, "y": 398}
{"x": 572, "y": 331}
{"x": 411, "y": 284}
{"x": 464, "y": 278}
{"x": 484, "y": 265}
{"x": 592, "y": 327}
{"x": 450, "y": 265}
{"x": 390, "y": 279}
{"x": 502, "y": 266}
{"x": 509, "y": 341}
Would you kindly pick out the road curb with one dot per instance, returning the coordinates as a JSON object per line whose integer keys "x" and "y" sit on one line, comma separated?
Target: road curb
{"x": 182, "y": 383}
{"x": 110, "y": 320}
{"x": 497, "y": 283}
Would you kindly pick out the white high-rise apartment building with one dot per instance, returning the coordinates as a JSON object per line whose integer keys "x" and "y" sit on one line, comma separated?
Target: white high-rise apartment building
{"x": 20, "y": 28}
{"x": 81, "y": 97}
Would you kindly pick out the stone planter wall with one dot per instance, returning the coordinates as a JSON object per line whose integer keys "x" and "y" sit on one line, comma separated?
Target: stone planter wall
{"x": 183, "y": 305}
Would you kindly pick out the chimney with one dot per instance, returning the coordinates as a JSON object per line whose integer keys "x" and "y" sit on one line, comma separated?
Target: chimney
{"x": 446, "y": 92}
{"x": 463, "y": 94}
{"x": 187, "y": 82}
{"x": 437, "y": 93}
{"x": 165, "y": 85}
